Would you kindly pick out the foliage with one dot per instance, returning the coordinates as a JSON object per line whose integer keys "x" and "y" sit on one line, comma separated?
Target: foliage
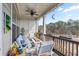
{"x": 37, "y": 34}
{"x": 61, "y": 27}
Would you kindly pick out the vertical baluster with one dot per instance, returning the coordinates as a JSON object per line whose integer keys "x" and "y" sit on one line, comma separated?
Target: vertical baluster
{"x": 63, "y": 46}
{"x": 76, "y": 49}
{"x": 56, "y": 43}
{"x": 53, "y": 39}
{"x": 59, "y": 44}
{"x": 72, "y": 49}
{"x": 66, "y": 48}
{"x": 69, "y": 49}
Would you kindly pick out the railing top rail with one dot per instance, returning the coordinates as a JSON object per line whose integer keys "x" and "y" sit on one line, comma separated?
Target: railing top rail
{"x": 63, "y": 38}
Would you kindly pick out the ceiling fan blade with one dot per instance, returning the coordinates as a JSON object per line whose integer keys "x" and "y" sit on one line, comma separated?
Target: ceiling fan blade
{"x": 27, "y": 10}
{"x": 36, "y": 14}
{"x": 27, "y": 14}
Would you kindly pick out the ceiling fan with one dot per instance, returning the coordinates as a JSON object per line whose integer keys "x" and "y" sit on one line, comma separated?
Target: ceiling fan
{"x": 31, "y": 12}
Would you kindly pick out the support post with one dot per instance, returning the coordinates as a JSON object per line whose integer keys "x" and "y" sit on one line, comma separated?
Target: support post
{"x": 44, "y": 27}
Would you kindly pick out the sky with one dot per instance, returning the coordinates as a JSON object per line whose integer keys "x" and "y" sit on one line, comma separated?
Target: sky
{"x": 63, "y": 13}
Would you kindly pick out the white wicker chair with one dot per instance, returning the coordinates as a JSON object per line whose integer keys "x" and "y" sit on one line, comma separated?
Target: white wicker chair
{"x": 46, "y": 47}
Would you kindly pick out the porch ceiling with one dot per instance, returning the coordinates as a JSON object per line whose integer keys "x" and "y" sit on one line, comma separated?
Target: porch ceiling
{"x": 40, "y": 8}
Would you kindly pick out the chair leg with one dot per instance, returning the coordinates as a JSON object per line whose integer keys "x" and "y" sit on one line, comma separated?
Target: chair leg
{"x": 52, "y": 53}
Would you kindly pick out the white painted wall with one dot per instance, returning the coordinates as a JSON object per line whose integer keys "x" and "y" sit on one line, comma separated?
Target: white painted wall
{"x": 6, "y": 42}
{"x": 1, "y": 31}
{"x": 30, "y": 26}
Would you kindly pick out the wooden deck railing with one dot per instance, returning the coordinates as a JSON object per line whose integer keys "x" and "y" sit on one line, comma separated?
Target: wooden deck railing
{"x": 65, "y": 46}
